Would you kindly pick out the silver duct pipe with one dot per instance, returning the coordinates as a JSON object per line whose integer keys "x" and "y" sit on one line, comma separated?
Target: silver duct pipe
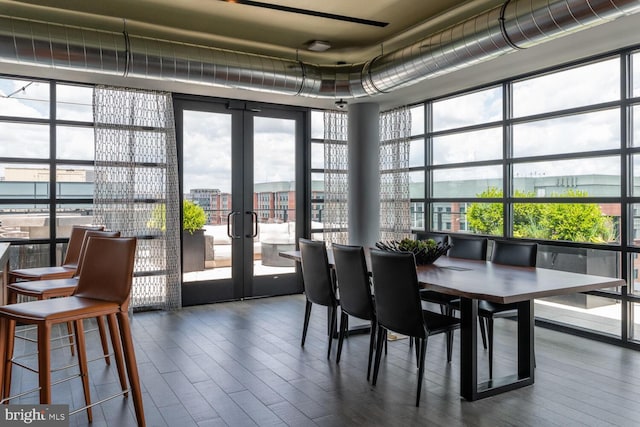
{"x": 514, "y": 25}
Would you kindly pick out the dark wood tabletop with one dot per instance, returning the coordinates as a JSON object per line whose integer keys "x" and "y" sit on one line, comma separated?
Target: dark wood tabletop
{"x": 488, "y": 281}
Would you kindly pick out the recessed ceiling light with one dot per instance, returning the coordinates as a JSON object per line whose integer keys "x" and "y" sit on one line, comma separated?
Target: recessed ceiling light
{"x": 318, "y": 46}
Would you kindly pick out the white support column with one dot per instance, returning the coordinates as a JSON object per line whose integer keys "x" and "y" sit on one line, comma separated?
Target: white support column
{"x": 364, "y": 174}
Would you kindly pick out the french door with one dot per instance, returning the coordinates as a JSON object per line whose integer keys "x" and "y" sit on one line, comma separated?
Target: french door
{"x": 242, "y": 166}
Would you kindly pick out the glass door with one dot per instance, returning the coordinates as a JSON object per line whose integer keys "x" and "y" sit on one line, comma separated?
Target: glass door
{"x": 238, "y": 171}
{"x": 272, "y": 200}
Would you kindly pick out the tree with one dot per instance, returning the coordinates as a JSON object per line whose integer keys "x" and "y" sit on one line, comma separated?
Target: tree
{"x": 582, "y": 222}
{"x": 486, "y": 218}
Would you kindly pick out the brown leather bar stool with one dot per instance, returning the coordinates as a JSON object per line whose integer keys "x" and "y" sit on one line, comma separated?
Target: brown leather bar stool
{"x": 55, "y": 288}
{"x": 104, "y": 287}
{"x": 69, "y": 265}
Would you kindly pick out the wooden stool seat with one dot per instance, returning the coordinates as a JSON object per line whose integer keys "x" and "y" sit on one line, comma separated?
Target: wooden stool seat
{"x": 42, "y": 289}
{"x": 57, "y": 310}
{"x": 41, "y": 273}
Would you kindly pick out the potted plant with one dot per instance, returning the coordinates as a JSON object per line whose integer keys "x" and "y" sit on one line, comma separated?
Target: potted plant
{"x": 193, "y": 242}
{"x": 425, "y": 251}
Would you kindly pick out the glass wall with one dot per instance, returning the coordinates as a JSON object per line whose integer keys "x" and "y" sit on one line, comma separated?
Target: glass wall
{"x": 553, "y": 158}
{"x": 46, "y": 167}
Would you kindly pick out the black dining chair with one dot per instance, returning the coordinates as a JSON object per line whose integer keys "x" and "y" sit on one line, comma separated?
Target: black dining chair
{"x": 318, "y": 284}
{"x": 519, "y": 254}
{"x": 399, "y": 309}
{"x": 466, "y": 247}
{"x": 354, "y": 288}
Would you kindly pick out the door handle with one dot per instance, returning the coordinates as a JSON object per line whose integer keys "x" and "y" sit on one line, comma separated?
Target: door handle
{"x": 230, "y": 227}
{"x": 254, "y": 216}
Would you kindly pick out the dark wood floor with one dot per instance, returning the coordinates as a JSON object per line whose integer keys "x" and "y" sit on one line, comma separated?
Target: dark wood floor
{"x": 241, "y": 364}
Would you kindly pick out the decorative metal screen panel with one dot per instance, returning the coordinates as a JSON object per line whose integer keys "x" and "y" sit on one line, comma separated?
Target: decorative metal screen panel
{"x": 136, "y": 186}
{"x": 335, "y": 214}
{"x": 395, "y": 217}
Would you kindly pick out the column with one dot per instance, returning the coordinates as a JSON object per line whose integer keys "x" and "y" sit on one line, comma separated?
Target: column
{"x": 364, "y": 174}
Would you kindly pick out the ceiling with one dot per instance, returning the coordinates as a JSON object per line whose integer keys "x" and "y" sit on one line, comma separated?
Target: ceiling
{"x": 285, "y": 32}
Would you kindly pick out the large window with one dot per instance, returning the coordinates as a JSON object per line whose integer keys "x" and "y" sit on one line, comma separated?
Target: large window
{"x": 46, "y": 166}
{"x": 552, "y": 157}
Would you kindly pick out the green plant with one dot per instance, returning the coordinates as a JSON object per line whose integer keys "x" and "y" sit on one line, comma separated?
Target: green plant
{"x": 193, "y": 217}
{"x": 425, "y": 251}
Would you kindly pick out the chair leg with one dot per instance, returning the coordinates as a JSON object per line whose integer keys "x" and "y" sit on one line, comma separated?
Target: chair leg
{"x": 307, "y": 315}
{"x": 132, "y": 367}
{"x": 490, "y": 337}
{"x": 117, "y": 352}
{"x": 332, "y": 326}
{"x": 70, "y": 334}
{"x": 382, "y": 335}
{"x": 44, "y": 363}
{"x": 3, "y": 353}
{"x": 449, "y": 312}
{"x": 417, "y": 352}
{"x": 372, "y": 343}
{"x": 423, "y": 352}
{"x": 483, "y": 332}
{"x": 343, "y": 329}
{"x": 449, "y": 345}
{"x": 82, "y": 364}
{"x": 103, "y": 339}
{"x": 8, "y": 366}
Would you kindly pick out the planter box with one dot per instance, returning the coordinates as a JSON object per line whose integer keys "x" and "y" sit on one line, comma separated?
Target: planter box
{"x": 193, "y": 250}
{"x": 579, "y": 260}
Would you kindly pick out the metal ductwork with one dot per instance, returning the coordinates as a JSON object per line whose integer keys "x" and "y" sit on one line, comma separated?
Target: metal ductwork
{"x": 514, "y": 25}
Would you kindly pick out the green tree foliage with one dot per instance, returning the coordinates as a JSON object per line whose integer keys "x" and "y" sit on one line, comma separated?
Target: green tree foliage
{"x": 486, "y": 218}
{"x": 580, "y": 222}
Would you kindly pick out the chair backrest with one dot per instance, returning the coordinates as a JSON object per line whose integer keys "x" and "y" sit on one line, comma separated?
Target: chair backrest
{"x": 107, "y": 269}
{"x": 75, "y": 244}
{"x": 519, "y": 254}
{"x": 316, "y": 273}
{"x": 395, "y": 286}
{"x": 468, "y": 247}
{"x": 353, "y": 281}
{"x": 442, "y": 239}
{"x": 85, "y": 241}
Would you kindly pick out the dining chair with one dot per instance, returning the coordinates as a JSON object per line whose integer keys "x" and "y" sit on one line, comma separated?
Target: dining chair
{"x": 354, "y": 288}
{"x": 69, "y": 264}
{"x": 104, "y": 287}
{"x": 55, "y": 288}
{"x": 519, "y": 254}
{"x": 398, "y": 307}
{"x": 461, "y": 247}
{"x": 319, "y": 286}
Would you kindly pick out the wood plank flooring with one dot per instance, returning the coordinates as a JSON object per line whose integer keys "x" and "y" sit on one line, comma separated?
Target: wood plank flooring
{"x": 241, "y": 364}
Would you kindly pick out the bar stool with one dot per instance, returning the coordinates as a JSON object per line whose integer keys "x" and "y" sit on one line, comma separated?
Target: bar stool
{"x": 69, "y": 265}
{"x": 104, "y": 287}
{"x": 56, "y": 288}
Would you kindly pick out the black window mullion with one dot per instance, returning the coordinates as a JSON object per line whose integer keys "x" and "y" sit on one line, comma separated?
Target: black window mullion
{"x": 52, "y": 173}
{"x": 626, "y": 189}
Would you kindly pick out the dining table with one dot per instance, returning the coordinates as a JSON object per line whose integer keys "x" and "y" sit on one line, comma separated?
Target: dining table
{"x": 472, "y": 281}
